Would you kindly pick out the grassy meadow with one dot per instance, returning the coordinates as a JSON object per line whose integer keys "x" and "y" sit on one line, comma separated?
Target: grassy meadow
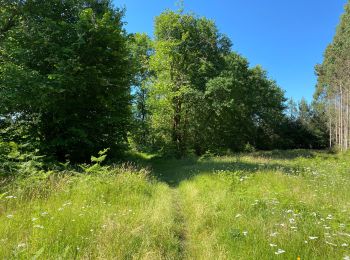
{"x": 264, "y": 205}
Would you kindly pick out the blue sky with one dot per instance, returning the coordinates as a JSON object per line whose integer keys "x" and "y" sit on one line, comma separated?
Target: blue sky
{"x": 286, "y": 37}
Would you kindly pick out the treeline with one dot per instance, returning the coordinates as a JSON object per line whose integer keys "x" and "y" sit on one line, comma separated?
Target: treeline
{"x": 74, "y": 82}
{"x": 333, "y": 89}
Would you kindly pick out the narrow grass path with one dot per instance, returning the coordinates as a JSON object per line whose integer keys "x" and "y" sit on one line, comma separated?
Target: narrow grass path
{"x": 271, "y": 205}
{"x": 277, "y": 205}
{"x": 181, "y": 222}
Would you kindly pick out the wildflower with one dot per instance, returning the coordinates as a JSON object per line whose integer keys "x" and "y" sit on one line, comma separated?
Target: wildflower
{"x": 9, "y": 216}
{"x": 291, "y": 220}
{"x": 60, "y": 209}
{"x": 329, "y": 243}
{"x": 342, "y": 225}
{"x": 21, "y": 245}
{"x": 245, "y": 233}
{"x": 329, "y": 217}
{"x": 273, "y": 245}
{"x": 67, "y": 204}
{"x": 273, "y": 234}
{"x": 280, "y": 251}
{"x": 10, "y": 197}
{"x": 39, "y": 226}
{"x": 34, "y": 219}
{"x": 44, "y": 214}
{"x": 312, "y": 238}
{"x": 238, "y": 215}
{"x": 346, "y": 257}
{"x": 344, "y": 245}
{"x": 306, "y": 242}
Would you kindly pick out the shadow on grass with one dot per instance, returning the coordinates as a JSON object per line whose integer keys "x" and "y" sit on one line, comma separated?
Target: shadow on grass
{"x": 286, "y": 155}
{"x": 173, "y": 171}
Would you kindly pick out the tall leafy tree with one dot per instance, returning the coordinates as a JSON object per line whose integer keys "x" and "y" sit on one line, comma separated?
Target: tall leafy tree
{"x": 142, "y": 49}
{"x": 65, "y": 69}
{"x": 188, "y": 52}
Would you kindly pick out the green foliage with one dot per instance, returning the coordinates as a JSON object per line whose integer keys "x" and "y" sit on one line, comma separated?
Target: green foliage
{"x": 333, "y": 90}
{"x": 203, "y": 96}
{"x": 16, "y": 161}
{"x": 141, "y": 49}
{"x": 243, "y": 106}
{"x": 65, "y": 66}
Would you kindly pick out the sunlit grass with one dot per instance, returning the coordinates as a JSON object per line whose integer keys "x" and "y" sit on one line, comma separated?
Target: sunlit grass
{"x": 114, "y": 216}
{"x": 301, "y": 209}
{"x": 259, "y": 206}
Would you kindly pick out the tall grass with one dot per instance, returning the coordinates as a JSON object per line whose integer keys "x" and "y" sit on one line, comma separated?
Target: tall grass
{"x": 118, "y": 215}
{"x": 299, "y": 209}
{"x": 258, "y": 206}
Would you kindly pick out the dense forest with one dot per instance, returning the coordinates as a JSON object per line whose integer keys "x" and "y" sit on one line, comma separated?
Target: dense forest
{"x": 74, "y": 82}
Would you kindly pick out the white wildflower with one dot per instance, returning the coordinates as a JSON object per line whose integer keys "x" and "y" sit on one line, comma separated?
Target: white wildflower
{"x": 39, "y": 226}
{"x": 9, "y": 216}
{"x": 238, "y": 215}
{"x": 329, "y": 217}
{"x": 245, "y": 233}
{"x": 273, "y": 245}
{"x": 344, "y": 245}
{"x": 21, "y": 245}
{"x": 312, "y": 238}
{"x": 273, "y": 234}
{"x": 34, "y": 219}
{"x": 329, "y": 243}
{"x": 280, "y": 251}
